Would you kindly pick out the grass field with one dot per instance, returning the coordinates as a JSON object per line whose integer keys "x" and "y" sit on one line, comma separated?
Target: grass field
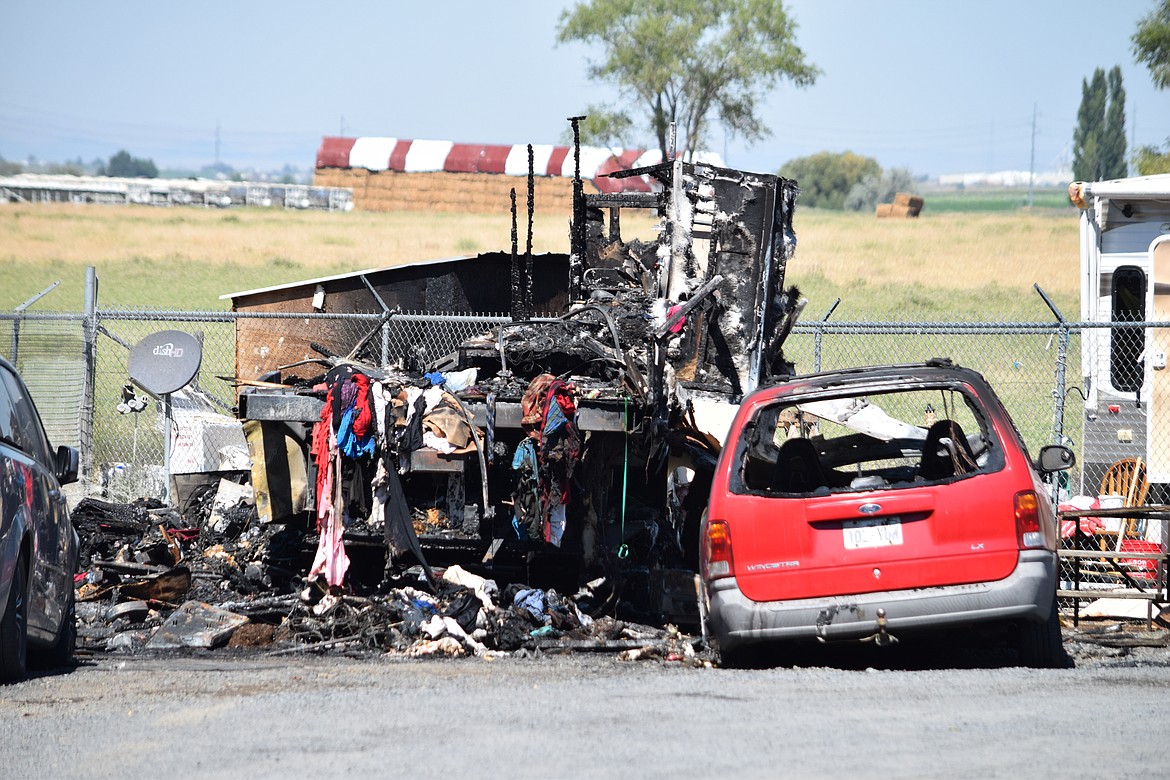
{"x": 987, "y": 199}
{"x": 946, "y": 265}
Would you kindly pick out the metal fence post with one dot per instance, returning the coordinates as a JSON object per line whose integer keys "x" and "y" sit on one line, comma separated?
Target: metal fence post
{"x": 385, "y": 340}
{"x": 89, "y": 334}
{"x": 1064, "y": 333}
{"x": 819, "y": 336}
{"x": 1061, "y": 367}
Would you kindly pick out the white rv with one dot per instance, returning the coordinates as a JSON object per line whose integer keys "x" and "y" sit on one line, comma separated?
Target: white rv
{"x": 1125, "y": 278}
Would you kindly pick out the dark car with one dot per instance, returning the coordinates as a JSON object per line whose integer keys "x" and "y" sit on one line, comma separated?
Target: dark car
{"x": 867, "y": 503}
{"x": 38, "y": 545}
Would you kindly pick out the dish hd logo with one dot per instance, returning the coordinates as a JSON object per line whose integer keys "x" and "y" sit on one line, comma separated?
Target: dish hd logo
{"x": 168, "y": 350}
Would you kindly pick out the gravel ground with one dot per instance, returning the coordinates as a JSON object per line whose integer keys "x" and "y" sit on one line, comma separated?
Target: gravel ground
{"x": 227, "y": 714}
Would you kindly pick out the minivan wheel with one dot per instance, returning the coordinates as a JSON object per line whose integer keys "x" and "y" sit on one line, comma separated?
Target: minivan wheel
{"x": 1041, "y": 645}
{"x": 14, "y": 628}
{"x": 748, "y": 656}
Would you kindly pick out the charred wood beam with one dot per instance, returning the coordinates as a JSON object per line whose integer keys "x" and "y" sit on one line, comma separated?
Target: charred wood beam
{"x": 635, "y": 200}
{"x": 517, "y": 308}
{"x": 528, "y": 245}
{"x": 577, "y": 252}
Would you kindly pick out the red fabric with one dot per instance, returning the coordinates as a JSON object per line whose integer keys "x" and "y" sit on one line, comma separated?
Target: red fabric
{"x": 322, "y": 433}
{"x": 364, "y": 417}
{"x": 1089, "y": 526}
{"x": 563, "y": 393}
{"x": 534, "y": 404}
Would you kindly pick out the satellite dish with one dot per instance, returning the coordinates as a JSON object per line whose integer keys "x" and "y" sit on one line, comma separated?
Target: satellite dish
{"x": 164, "y": 362}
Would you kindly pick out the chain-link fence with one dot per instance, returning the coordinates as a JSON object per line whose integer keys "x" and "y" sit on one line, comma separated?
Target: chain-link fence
{"x": 1035, "y": 368}
{"x": 77, "y": 368}
{"x": 1061, "y": 382}
{"x": 1101, "y": 389}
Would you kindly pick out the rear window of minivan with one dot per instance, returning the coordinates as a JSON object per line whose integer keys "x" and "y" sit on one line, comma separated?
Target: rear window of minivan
{"x": 865, "y": 442}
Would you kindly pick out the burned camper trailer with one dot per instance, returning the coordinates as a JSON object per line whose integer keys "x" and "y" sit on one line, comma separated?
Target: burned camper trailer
{"x": 572, "y": 446}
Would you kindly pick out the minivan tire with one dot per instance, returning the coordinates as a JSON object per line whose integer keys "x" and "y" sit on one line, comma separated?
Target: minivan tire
{"x": 1041, "y": 645}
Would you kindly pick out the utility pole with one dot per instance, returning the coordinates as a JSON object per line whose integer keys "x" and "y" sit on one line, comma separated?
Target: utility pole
{"x": 1032, "y": 161}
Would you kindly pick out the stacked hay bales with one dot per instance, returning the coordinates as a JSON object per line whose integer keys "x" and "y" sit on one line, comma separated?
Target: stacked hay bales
{"x": 904, "y": 205}
{"x": 396, "y": 174}
{"x": 477, "y": 193}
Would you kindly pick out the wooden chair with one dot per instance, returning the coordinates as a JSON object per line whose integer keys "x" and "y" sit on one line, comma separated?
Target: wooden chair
{"x": 1126, "y": 478}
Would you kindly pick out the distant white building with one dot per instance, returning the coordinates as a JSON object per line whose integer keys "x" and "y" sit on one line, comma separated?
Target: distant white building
{"x": 1006, "y": 179}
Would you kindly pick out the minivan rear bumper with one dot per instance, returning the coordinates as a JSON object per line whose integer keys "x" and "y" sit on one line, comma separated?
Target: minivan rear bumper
{"x": 1026, "y": 594}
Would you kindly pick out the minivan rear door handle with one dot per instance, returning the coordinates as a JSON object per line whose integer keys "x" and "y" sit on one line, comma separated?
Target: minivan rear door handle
{"x": 880, "y": 505}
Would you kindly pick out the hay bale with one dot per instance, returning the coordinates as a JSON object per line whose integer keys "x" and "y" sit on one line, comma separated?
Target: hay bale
{"x": 913, "y": 202}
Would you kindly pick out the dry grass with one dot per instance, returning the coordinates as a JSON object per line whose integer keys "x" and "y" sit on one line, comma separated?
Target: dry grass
{"x": 943, "y": 266}
{"x": 954, "y": 251}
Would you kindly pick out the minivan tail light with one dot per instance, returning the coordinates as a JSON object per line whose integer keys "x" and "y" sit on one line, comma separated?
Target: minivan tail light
{"x": 717, "y": 550}
{"x": 1028, "y": 520}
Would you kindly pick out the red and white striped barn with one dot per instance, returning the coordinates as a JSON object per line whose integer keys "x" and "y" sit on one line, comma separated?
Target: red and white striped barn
{"x": 407, "y": 156}
{"x": 399, "y": 174}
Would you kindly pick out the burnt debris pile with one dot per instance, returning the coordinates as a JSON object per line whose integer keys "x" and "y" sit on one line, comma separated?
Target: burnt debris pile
{"x": 539, "y": 486}
{"x": 153, "y": 579}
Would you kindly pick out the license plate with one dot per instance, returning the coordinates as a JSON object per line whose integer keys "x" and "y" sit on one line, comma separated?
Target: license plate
{"x": 872, "y": 532}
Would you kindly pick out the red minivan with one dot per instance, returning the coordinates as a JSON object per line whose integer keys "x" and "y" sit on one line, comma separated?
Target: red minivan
{"x": 863, "y": 503}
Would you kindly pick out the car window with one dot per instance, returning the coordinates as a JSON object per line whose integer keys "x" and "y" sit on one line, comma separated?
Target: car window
{"x": 23, "y": 421}
{"x": 7, "y": 415}
{"x": 866, "y": 442}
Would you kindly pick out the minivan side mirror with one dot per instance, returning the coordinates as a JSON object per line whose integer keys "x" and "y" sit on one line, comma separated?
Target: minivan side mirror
{"x": 68, "y": 462}
{"x": 1055, "y": 457}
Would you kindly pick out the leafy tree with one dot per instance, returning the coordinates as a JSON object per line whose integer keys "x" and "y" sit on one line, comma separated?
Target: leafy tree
{"x": 826, "y": 178}
{"x": 603, "y": 126}
{"x": 1151, "y": 44}
{"x": 1148, "y": 160}
{"x": 689, "y": 61}
{"x": 123, "y": 165}
{"x": 1111, "y": 144}
{"x": 1090, "y": 124}
{"x": 1151, "y": 47}
{"x": 9, "y": 168}
{"x": 872, "y": 190}
{"x": 68, "y": 168}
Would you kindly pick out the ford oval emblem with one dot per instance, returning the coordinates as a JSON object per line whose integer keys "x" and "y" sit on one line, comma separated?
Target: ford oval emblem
{"x": 869, "y": 509}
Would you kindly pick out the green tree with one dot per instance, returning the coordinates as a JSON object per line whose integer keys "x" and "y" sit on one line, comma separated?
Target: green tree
{"x": 1090, "y": 125}
{"x": 9, "y": 168}
{"x": 1151, "y": 47}
{"x": 1151, "y": 44}
{"x": 1111, "y": 144}
{"x": 872, "y": 190}
{"x": 1149, "y": 160}
{"x": 689, "y": 61}
{"x": 825, "y": 178}
{"x": 123, "y": 165}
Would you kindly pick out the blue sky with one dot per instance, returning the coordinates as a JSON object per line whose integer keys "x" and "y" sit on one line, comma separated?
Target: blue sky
{"x": 938, "y": 87}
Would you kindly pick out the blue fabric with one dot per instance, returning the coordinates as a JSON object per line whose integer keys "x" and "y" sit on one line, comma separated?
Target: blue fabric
{"x": 348, "y": 443}
{"x": 525, "y": 451}
{"x": 555, "y": 417}
{"x": 518, "y": 527}
{"x": 533, "y": 602}
{"x": 435, "y": 378}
